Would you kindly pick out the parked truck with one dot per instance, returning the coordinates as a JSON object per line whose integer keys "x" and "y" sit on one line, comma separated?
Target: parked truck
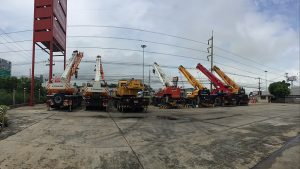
{"x": 239, "y": 92}
{"x": 96, "y": 94}
{"x": 130, "y": 96}
{"x": 201, "y": 96}
{"x": 224, "y": 94}
{"x": 60, "y": 92}
{"x": 170, "y": 96}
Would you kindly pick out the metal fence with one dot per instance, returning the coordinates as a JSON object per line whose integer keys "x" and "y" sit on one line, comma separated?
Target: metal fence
{"x": 16, "y": 98}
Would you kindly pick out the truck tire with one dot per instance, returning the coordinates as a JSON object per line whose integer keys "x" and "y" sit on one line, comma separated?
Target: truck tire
{"x": 58, "y": 99}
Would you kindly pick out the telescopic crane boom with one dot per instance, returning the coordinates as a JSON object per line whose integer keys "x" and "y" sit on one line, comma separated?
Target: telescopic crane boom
{"x": 95, "y": 94}
{"x": 191, "y": 79}
{"x": 162, "y": 76}
{"x": 224, "y": 93}
{"x": 170, "y": 95}
{"x": 239, "y": 92}
{"x": 72, "y": 67}
{"x": 201, "y": 95}
{"x": 235, "y": 87}
{"x": 219, "y": 86}
{"x": 99, "y": 69}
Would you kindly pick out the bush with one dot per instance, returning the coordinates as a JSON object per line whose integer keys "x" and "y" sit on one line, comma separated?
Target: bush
{"x": 3, "y": 118}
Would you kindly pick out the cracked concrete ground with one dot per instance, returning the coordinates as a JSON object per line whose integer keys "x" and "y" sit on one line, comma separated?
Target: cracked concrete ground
{"x": 221, "y": 137}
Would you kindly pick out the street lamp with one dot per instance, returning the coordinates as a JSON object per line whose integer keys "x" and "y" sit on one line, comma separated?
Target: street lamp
{"x": 143, "y": 46}
{"x": 266, "y": 80}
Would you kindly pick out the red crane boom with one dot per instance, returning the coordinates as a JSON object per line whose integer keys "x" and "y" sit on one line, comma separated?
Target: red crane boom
{"x": 220, "y": 87}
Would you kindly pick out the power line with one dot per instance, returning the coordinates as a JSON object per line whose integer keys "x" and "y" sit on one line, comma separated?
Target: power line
{"x": 138, "y": 40}
{"x": 234, "y": 54}
{"x": 251, "y": 66}
{"x": 122, "y": 63}
{"x": 15, "y": 51}
{"x": 135, "y": 64}
{"x": 135, "y": 50}
{"x": 153, "y": 32}
{"x": 174, "y": 36}
{"x": 159, "y": 33}
{"x": 14, "y": 32}
{"x": 8, "y": 47}
{"x": 18, "y": 41}
{"x": 119, "y": 38}
{"x": 140, "y": 30}
{"x": 15, "y": 44}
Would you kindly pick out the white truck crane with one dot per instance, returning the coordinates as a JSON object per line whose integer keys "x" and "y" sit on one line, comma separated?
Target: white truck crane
{"x": 170, "y": 96}
{"x": 162, "y": 76}
{"x": 60, "y": 92}
{"x": 96, "y": 94}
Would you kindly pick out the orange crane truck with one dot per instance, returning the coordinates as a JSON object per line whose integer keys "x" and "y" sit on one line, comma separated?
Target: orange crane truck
{"x": 201, "y": 96}
{"x": 239, "y": 92}
{"x": 60, "y": 92}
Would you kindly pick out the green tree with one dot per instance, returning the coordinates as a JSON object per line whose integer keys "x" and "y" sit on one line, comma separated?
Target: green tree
{"x": 8, "y": 84}
{"x": 279, "y": 89}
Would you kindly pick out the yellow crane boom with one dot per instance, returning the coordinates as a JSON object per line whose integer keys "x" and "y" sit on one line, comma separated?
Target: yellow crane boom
{"x": 235, "y": 87}
{"x": 192, "y": 80}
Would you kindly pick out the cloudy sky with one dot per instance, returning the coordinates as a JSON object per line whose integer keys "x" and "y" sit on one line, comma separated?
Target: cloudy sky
{"x": 250, "y": 37}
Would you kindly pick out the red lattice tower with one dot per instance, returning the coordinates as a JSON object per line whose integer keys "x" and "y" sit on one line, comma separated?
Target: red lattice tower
{"x": 49, "y": 33}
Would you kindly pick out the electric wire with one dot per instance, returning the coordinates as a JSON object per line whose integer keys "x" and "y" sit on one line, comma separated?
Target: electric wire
{"x": 159, "y": 33}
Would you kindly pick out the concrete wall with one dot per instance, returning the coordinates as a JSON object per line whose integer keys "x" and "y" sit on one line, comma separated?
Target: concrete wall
{"x": 288, "y": 99}
{"x": 263, "y": 99}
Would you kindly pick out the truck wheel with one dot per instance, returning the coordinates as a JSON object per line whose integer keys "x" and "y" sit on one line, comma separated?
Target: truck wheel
{"x": 58, "y": 99}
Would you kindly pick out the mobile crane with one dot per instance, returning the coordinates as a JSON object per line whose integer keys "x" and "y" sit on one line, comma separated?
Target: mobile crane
{"x": 130, "y": 96}
{"x": 170, "y": 96}
{"x": 96, "y": 95}
{"x": 200, "y": 96}
{"x": 239, "y": 92}
{"x": 224, "y": 93}
{"x": 60, "y": 92}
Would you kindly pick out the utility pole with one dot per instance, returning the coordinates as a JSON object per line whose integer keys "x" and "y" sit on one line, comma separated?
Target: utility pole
{"x": 149, "y": 76}
{"x": 259, "y": 91}
{"x": 266, "y": 80}
{"x": 211, "y": 54}
{"x": 143, "y": 46}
